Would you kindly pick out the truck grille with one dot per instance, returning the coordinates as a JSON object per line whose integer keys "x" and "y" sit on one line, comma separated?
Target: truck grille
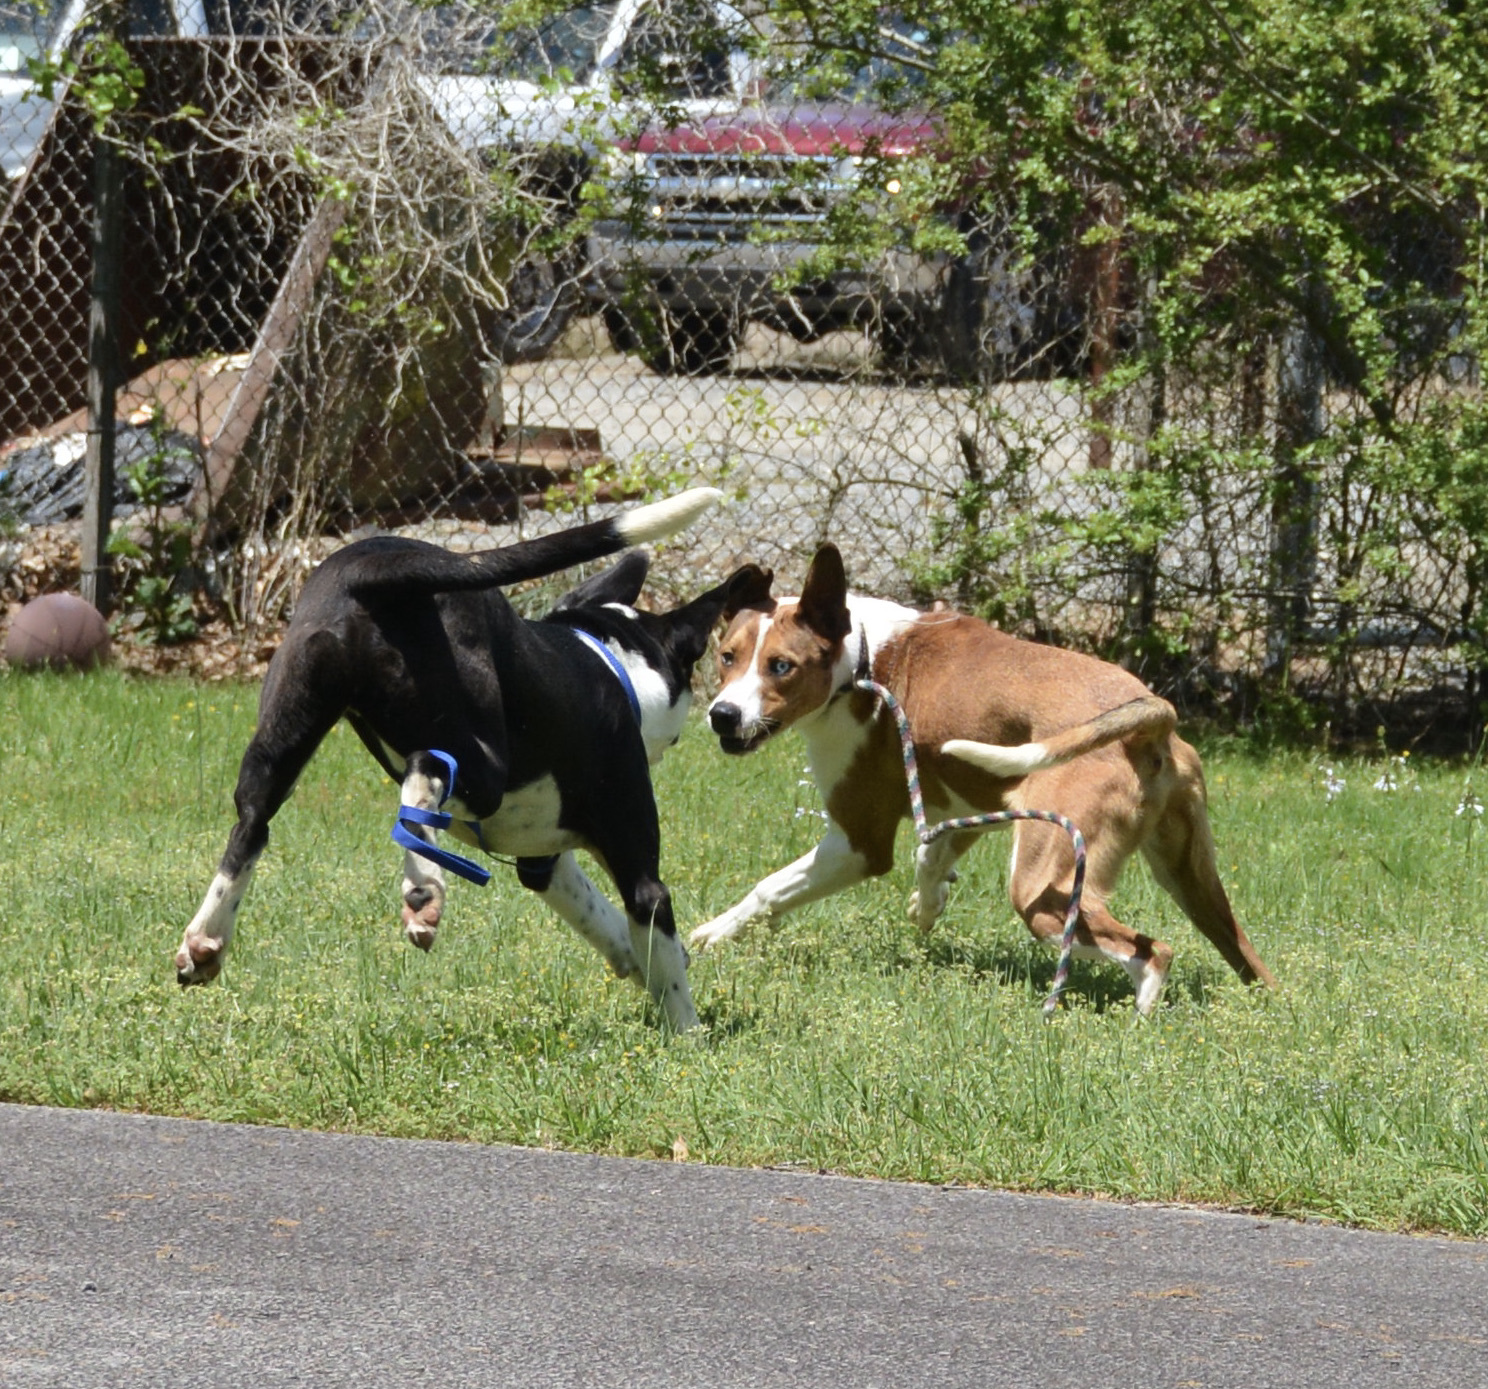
{"x": 728, "y": 194}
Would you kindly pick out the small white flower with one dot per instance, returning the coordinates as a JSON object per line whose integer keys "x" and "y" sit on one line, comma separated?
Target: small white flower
{"x": 1398, "y": 775}
{"x": 1333, "y": 784}
{"x": 1469, "y": 804}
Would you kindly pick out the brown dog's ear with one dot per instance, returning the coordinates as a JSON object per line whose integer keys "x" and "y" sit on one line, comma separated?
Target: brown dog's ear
{"x": 823, "y": 602}
{"x": 748, "y": 587}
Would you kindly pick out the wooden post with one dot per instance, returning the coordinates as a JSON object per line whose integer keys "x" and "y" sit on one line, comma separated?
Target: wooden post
{"x": 1104, "y": 323}
{"x": 103, "y": 377}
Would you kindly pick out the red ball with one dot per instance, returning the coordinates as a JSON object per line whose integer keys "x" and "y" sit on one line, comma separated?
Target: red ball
{"x": 57, "y": 630}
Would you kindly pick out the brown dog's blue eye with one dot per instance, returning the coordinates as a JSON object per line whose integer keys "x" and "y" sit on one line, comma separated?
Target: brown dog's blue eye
{"x": 781, "y": 667}
{"x": 725, "y": 658}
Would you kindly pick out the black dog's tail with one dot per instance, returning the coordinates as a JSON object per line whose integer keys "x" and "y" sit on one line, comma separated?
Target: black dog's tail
{"x": 366, "y": 572}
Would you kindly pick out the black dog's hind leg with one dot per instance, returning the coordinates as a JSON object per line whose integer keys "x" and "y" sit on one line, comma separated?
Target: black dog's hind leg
{"x": 423, "y": 880}
{"x": 290, "y": 728}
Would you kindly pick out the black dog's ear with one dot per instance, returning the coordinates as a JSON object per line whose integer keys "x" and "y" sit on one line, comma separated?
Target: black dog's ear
{"x": 748, "y": 587}
{"x": 823, "y": 602}
{"x": 690, "y": 625}
{"x": 620, "y": 583}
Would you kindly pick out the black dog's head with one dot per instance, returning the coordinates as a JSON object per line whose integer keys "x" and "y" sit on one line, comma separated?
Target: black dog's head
{"x": 667, "y": 645}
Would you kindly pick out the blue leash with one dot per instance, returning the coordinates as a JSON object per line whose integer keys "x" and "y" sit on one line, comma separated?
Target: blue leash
{"x": 439, "y": 820}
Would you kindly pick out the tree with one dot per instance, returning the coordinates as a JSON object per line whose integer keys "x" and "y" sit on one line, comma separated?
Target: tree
{"x": 1305, "y": 171}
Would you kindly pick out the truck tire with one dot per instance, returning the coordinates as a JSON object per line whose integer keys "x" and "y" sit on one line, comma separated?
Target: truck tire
{"x": 542, "y": 298}
{"x": 624, "y": 334}
{"x": 1004, "y": 319}
{"x": 692, "y": 342}
{"x": 544, "y": 288}
{"x": 908, "y": 343}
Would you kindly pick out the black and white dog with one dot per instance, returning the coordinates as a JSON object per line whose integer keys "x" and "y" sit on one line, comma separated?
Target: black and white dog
{"x": 551, "y": 724}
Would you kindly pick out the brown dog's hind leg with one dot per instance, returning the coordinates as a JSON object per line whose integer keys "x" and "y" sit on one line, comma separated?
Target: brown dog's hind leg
{"x": 1039, "y": 885}
{"x": 1180, "y": 852}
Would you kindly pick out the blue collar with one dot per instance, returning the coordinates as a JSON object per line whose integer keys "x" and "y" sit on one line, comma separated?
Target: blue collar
{"x": 621, "y": 674}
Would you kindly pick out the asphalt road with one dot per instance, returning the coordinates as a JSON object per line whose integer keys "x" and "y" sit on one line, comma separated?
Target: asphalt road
{"x": 136, "y": 1250}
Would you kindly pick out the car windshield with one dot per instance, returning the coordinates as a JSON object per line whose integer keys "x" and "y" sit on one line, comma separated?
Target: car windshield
{"x": 565, "y": 44}
{"x": 897, "y": 69}
{"x": 26, "y": 32}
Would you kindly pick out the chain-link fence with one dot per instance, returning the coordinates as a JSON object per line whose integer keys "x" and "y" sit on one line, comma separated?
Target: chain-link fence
{"x": 436, "y": 271}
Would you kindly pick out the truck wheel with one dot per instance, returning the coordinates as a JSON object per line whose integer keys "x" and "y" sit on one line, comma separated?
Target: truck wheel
{"x": 692, "y": 342}
{"x": 542, "y": 297}
{"x": 624, "y": 334}
{"x": 907, "y": 343}
{"x": 1002, "y": 318}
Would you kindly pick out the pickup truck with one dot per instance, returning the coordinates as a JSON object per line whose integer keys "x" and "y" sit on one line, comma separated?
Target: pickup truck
{"x": 715, "y": 220}
{"x": 544, "y": 99}
{"x": 556, "y": 95}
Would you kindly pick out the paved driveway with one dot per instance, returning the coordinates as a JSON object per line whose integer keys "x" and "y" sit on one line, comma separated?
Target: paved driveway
{"x": 814, "y": 452}
{"x": 154, "y": 1251}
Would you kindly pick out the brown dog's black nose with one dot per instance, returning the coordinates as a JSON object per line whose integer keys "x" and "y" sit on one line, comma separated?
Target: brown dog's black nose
{"x": 725, "y": 718}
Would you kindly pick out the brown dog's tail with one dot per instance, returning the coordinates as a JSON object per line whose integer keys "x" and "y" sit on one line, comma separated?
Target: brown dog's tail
{"x": 365, "y": 572}
{"x": 1147, "y": 717}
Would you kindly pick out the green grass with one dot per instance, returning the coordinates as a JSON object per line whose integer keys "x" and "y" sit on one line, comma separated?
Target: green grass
{"x": 842, "y": 1041}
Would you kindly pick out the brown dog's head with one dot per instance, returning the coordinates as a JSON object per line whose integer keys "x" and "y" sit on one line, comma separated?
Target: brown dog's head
{"x": 780, "y": 662}
{"x": 657, "y": 650}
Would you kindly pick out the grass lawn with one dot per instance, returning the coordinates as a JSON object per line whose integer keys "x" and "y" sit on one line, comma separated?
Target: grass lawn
{"x": 842, "y": 1041}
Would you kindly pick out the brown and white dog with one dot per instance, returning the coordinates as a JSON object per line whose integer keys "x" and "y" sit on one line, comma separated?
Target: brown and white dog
{"x": 999, "y": 724}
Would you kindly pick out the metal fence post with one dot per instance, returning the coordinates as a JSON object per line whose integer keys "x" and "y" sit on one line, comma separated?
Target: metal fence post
{"x": 1293, "y": 560}
{"x": 103, "y": 318}
{"x": 1148, "y": 408}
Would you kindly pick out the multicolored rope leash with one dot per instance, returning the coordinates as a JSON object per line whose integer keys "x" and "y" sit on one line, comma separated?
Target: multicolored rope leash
{"x": 928, "y": 833}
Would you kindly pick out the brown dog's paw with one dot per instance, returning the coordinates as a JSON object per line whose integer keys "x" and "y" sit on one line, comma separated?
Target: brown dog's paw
{"x": 1153, "y": 975}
